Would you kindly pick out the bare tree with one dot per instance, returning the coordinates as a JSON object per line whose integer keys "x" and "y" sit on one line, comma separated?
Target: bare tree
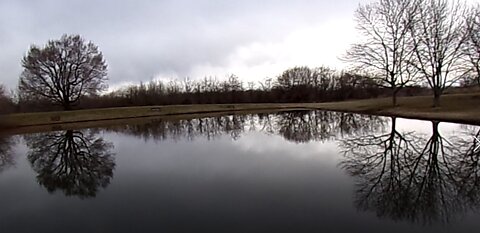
{"x": 294, "y": 77}
{"x": 438, "y": 37}
{"x": 324, "y": 78}
{"x": 63, "y": 71}
{"x": 231, "y": 83}
{"x": 471, "y": 49}
{"x": 266, "y": 85}
{"x": 387, "y": 45}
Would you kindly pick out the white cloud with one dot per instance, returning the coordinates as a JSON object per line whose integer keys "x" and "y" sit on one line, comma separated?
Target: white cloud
{"x": 312, "y": 46}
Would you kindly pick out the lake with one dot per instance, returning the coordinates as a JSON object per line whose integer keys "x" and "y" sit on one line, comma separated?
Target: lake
{"x": 300, "y": 171}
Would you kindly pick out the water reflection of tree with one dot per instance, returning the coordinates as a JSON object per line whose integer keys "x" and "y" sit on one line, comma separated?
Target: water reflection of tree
{"x": 433, "y": 178}
{"x": 305, "y": 126}
{"x": 209, "y": 128}
{"x": 377, "y": 163}
{"x": 406, "y": 177}
{"x": 469, "y": 164}
{"x": 6, "y": 154}
{"x": 297, "y": 126}
{"x": 79, "y": 163}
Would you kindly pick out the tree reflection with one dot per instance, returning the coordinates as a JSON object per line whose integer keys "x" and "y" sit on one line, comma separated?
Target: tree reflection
{"x": 6, "y": 154}
{"x": 306, "y": 126}
{"x": 469, "y": 164}
{"x": 210, "y": 128}
{"x": 295, "y": 126}
{"x": 433, "y": 180}
{"x": 299, "y": 126}
{"x": 79, "y": 163}
{"x": 378, "y": 163}
{"x": 404, "y": 176}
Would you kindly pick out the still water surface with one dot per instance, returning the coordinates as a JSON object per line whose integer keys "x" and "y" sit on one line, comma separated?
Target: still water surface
{"x": 282, "y": 172}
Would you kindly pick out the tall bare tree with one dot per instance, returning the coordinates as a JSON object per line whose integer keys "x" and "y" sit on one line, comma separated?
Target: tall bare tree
{"x": 63, "y": 71}
{"x": 471, "y": 48}
{"x": 386, "y": 47}
{"x": 438, "y": 37}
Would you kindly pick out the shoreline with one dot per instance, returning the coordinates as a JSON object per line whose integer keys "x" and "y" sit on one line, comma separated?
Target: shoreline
{"x": 455, "y": 108}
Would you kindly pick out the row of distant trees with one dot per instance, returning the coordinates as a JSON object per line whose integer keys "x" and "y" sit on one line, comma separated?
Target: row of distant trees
{"x": 405, "y": 43}
{"x": 298, "y": 84}
{"x": 430, "y": 41}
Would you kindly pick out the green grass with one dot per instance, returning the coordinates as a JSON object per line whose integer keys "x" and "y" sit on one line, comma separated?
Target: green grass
{"x": 461, "y": 108}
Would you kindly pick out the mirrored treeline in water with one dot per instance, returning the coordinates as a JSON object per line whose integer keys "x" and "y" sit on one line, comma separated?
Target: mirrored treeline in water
{"x": 295, "y": 126}
{"x": 418, "y": 176}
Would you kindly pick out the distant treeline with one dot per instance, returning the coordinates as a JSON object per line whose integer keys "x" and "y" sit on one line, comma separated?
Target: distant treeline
{"x": 299, "y": 84}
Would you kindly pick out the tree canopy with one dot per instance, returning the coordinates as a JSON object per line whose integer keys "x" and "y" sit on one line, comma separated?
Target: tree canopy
{"x": 63, "y": 71}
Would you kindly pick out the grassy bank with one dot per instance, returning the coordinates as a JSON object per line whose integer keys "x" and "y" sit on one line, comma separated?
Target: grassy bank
{"x": 460, "y": 108}
{"x": 64, "y": 117}
{"x": 457, "y": 108}
{"x": 127, "y": 121}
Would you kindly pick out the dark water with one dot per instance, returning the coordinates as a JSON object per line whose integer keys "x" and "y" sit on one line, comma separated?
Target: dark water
{"x": 287, "y": 172}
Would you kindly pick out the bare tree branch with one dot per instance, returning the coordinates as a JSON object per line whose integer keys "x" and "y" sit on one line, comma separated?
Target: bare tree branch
{"x": 386, "y": 46}
{"x": 438, "y": 37}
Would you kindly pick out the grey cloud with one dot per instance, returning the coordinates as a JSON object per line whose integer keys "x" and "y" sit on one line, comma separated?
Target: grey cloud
{"x": 143, "y": 38}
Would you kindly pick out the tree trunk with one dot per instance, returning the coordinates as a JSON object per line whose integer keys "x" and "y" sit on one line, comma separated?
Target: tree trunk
{"x": 394, "y": 123}
{"x": 394, "y": 95}
{"x": 436, "y": 97}
{"x": 435, "y": 133}
{"x": 478, "y": 75}
{"x": 67, "y": 106}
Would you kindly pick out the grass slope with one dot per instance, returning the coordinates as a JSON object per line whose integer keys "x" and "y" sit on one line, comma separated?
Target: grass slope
{"x": 458, "y": 108}
{"x": 62, "y": 117}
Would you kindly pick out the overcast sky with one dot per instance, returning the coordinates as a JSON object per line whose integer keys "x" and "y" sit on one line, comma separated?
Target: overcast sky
{"x": 145, "y": 40}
